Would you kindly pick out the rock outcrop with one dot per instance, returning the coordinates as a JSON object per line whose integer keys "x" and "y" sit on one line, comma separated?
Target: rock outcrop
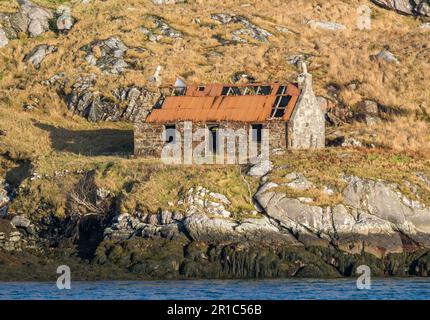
{"x": 326, "y": 25}
{"x": 107, "y": 55}
{"x": 374, "y": 217}
{"x": 160, "y": 29}
{"x": 249, "y": 29}
{"x": 3, "y": 38}
{"x": 65, "y": 21}
{"x": 4, "y": 200}
{"x": 130, "y": 101}
{"x": 30, "y": 19}
{"x": 374, "y": 224}
{"x": 34, "y": 21}
{"x": 260, "y": 169}
{"x": 12, "y": 239}
{"x": 200, "y": 199}
{"x": 159, "y": 2}
{"x": 36, "y": 56}
{"x": 409, "y": 7}
{"x": 386, "y": 56}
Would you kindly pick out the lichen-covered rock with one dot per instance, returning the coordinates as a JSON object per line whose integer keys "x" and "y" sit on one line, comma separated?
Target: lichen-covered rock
{"x": 10, "y": 238}
{"x": 4, "y": 198}
{"x": 35, "y": 20}
{"x": 31, "y": 19}
{"x": 386, "y": 56}
{"x": 159, "y": 2}
{"x": 200, "y": 227}
{"x": 107, "y": 55}
{"x": 126, "y": 226}
{"x": 326, "y": 25}
{"x": 130, "y": 102}
{"x": 3, "y": 38}
{"x": 65, "y": 21}
{"x": 260, "y": 169}
{"x": 23, "y": 223}
{"x": 201, "y": 200}
{"x": 374, "y": 217}
{"x": 298, "y": 181}
{"x": 36, "y": 56}
{"x": 415, "y": 7}
{"x": 250, "y": 29}
{"x": 160, "y": 28}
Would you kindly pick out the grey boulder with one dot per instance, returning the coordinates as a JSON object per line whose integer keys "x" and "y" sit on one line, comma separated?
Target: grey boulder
{"x": 65, "y": 21}
{"x": 110, "y": 57}
{"x": 23, "y": 223}
{"x": 260, "y": 169}
{"x": 386, "y": 56}
{"x": 326, "y": 25}
{"x": 31, "y": 19}
{"x": 36, "y": 56}
{"x": 3, "y": 38}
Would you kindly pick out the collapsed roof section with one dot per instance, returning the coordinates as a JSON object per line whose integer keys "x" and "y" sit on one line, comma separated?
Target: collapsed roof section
{"x": 255, "y": 102}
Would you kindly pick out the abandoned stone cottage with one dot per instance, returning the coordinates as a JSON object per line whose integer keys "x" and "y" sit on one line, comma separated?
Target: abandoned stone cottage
{"x": 289, "y": 111}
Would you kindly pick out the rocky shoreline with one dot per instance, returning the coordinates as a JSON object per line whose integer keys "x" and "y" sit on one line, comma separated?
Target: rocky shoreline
{"x": 375, "y": 225}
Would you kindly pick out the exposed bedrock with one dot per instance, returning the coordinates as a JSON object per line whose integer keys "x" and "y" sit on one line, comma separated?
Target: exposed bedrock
{"x": 374, "y": 217}
{"x": 409, "y": 7}
{"x": 374, "y": 225}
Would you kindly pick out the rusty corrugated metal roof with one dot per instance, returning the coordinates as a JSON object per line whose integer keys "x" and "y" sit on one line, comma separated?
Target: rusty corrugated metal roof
{"x": 208, "y": 104}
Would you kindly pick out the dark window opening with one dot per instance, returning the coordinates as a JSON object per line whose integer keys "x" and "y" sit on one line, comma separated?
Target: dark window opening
{"x": 247, "y": 90}
{"x": 201, "y": 88}
{"x": 169, "y": 133}
{"x": 233, "y": 91}
{"x": 159, "y": 103}
{"x": 213, "y": 139}
{"x": 281, "y": 90}
{"x": 257, "y": 130}
{"x": 264, "y": 90}
{"x": 179, "y": 91}
{"x": 280, "y": 106}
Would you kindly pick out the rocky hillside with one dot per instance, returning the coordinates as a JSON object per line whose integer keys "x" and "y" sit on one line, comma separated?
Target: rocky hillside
{"x": 74, "y": 74}
{"x": 293, "y": 225}
{"x": 97, "y": 58}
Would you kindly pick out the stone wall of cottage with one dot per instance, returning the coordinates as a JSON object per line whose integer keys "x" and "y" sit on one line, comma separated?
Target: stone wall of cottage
{"x": 306, "y": 128}
{"x": 149, "y": 138}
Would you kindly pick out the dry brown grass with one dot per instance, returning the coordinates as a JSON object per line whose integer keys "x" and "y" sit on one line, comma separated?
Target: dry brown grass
{"x": 338, "y": 57}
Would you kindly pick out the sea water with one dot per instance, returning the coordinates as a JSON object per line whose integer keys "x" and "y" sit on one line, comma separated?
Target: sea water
{"x": 293, "y": 289}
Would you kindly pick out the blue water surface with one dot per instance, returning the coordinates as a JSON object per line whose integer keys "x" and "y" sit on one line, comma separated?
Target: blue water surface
{"x": 391, "y": 289}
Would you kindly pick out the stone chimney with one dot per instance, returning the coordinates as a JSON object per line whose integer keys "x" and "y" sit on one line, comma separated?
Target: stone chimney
{"x": 305, "y": 79}
{"x": 306, "y": 128}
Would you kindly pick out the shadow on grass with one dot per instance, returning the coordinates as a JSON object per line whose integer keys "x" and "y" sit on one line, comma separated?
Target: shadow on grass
{"x": 101, "y": 142}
